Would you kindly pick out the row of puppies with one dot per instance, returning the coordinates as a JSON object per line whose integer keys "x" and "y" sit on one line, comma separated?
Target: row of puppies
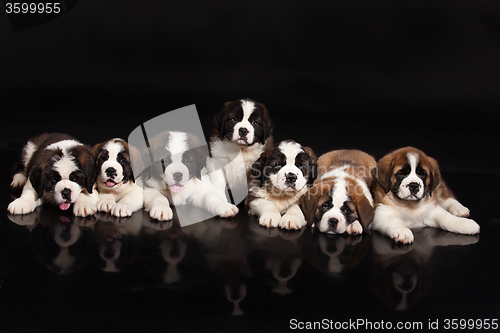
{"x": 278, "y": 193}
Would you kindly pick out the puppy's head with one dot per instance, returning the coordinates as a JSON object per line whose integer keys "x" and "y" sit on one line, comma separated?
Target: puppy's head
{"x": 286, "y": 166}
{"x": 244, "y": 122}
{"x": 113, "y": 162}
{"x": 178, "y": 158}
{"x": 333, "y": 204}
{"x": 408, "y": 173}
{"x": 64, "y": 172}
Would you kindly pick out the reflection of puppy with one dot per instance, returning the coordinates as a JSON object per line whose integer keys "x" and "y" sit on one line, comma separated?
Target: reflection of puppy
{"x": 410, "y": 194}
{"x": 281, "y": 176}
{"x": 340, "y": 200}
{"x": 174, "y": 178}
{"x": 242, "y": 131}
{"x": 118, "y": 193}
{"x": 58, "y": 169}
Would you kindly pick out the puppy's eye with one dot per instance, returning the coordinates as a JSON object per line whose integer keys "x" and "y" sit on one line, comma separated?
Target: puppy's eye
{"x": 346, "y": 210}
{"x": 421, "y": 172}
{"x": 122, "y": 160}
{"x": 325, "y": 205}
{"x": 401, "y": 173}
{"x": 74, "y": 178}
{"x": 233, "y": 119}
{"x": 255, "y": 123}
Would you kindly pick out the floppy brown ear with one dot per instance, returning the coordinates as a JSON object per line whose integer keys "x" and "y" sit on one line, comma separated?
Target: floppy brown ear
{"x": 364, "y": 209}
{"x": 136, "y": 161}
{"x": 434, "y": 175}
{"x": 383, "y": 173}
{"x": 218, "y": 122}
{"x": 313, "y": 168}
{"x": 96, "y": 149}
{"x": 308, "y": 204}
{"x": 267, "y": 124}
{"x": 36, "y": 179}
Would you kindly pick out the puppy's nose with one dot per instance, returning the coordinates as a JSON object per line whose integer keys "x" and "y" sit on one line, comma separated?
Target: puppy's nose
{"x": 177, "y": 176}
{"x": 110, "y": 172}
{"x": 66, "y": 194}
{"x": 414, "y": 187}
{"x": 333, "y": 222}
{"x": 243, "y": 132}
{"x": 291, "y": 178}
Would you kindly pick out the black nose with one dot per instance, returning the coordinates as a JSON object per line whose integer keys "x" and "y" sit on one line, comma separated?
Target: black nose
{"x": 333, "y": 222}
{"x": 110, "y": 172}
{"x": 243, "y": 132}
{"x": 66, "y": 194}
{"x": 177, "y": 176}
{"x": 414, "y": 187}
{"x": 291, "y": 178}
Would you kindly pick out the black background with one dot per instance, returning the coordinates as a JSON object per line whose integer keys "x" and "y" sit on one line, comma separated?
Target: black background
{"x": 371, "y": 75}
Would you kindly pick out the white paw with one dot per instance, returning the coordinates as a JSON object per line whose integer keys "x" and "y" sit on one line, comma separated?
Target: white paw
{"x": 105, "y": 205}
{"x": 21, "y": 206}
{"x": 161, "y": 213}
{"x": 121, "y": 210}
{"x": 292, "y": 221}
{"x": 18, "y": 180}
{"x": 402, "y": 235}
{"x": 270, "y": 219}
{"x": 354, "y": 228}
{"x": 458, "y": 209}
{"x": 84, "y": 208}
{"x": 227, "y": 210}
{"x": 467, "y": 227}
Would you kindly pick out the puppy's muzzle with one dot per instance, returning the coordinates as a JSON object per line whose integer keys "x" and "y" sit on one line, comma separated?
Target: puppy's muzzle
{"x": 290, "y": 179}
{"x": 414, "y": 187}
{"x": 110, "y": 172}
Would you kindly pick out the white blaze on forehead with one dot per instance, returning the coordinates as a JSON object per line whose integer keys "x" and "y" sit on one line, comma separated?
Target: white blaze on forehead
{"x": 290, "y": 150}
{"x": 248, "y": 107}
{"x": 65, "y": 166}
{"x": 113, "y": 148}
{"x": 339, "y": 194}
{"x": 177, "y": 143}
{"x": 413, "y": 160}
{"x": 341, "y": 174}
{"x": 64, "y": 145}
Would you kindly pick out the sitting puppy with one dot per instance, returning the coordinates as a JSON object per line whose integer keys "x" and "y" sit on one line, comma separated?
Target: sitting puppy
{"x": 242, "y": 131}
{"x": 340, "y": 199}
{"x": 58, "y": 169}
{"x": 409, "y": 193}
{"x": 281, "y": 176}
{"x": 118, "y": 193}
{"x": 174, "y": 177}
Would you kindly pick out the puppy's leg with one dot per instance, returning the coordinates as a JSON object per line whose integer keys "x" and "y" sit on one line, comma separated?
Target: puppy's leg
{"x": 206, "y": 197}
{"x": 157, "y": 205}
{"x": 129, "y": 203}
{"x": 453, "y": 206}
{"x": 268, "y": 213}
{"x": 440, "y": 218}
{"x": 355, "y": 228}
{"x": 293, "y": 218}
{"x": 26, "y": 203}
{"x": 106, "y": 201}
{"x": 386, "y": 221}
{"x": 86, "y": 203}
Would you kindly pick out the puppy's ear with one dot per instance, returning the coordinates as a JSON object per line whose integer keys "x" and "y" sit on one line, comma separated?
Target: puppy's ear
{"x": 36, "y": 178}
{"x": 136, "y": 162}
{"x": 201, "y": 160}
{"x": 267, "y": 124}
{"x": 313, "y": 168}
{"x": 258, "y": 168}
{"x": 434, "y": 175}
{"x": 364, "y": 209}
{"x": 86, "y": 162}
{"x": 308, "y": 203}
{"x": 219, "y": 120}
{"x": 96, "y": 150}
{"x": 383, "y": 173}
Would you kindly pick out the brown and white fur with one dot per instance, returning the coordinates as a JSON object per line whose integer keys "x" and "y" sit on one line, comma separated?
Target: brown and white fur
{"x": 55, "y": 168}
{"x": 410, "y": 193}
{"x": 118, "y": 192}
{"x": 281, "y": 176}
{"x": 174, "y": 177}
{"x": 340, "y": 199}
{"x": 242, "y": 131}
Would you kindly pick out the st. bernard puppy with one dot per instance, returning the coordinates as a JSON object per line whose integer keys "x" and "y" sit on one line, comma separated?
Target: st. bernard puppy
{"x": 410, "y": 193}
{"x": 282, "y": 174}
{"x": 242, "y": 131}
{"x": 58, "y": 169}
{"x": 340, "y": 199}
{"x": 118, "y": 192}
{"x": 175, "y": 175}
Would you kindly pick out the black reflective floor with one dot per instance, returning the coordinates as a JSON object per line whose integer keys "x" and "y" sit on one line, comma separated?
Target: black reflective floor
{"x": 62, "y": 273}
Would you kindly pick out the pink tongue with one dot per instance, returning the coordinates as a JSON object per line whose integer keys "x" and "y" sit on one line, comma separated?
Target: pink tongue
{"x": 110, "y": 183}
{"x": 64, "y": 205}
{"x": 175, "y": 188}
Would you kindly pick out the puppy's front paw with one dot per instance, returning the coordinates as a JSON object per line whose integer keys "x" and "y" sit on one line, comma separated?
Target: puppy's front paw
{"x": 402, "y": 235}
{"x": 84, "y": 208}
{"x": 467, "y": 227}
{"x": 21, "y": 206}
{"x": 161, "y": 213}
{"x": 270, "y": 219}
{"x": 105, "y": 205}
{"x": 457, "y": 209}
{"x": 292, "y": 221}
{"x": 354, "y": 228}
{"x": 121, "y": 210}
{"x": 227, "y": 210}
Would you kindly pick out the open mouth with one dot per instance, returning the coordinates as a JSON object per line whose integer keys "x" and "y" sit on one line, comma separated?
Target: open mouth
{"x": 175, "y": 188}
{"x": 65, "y": 205}
{"x": 110, "y": 183}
